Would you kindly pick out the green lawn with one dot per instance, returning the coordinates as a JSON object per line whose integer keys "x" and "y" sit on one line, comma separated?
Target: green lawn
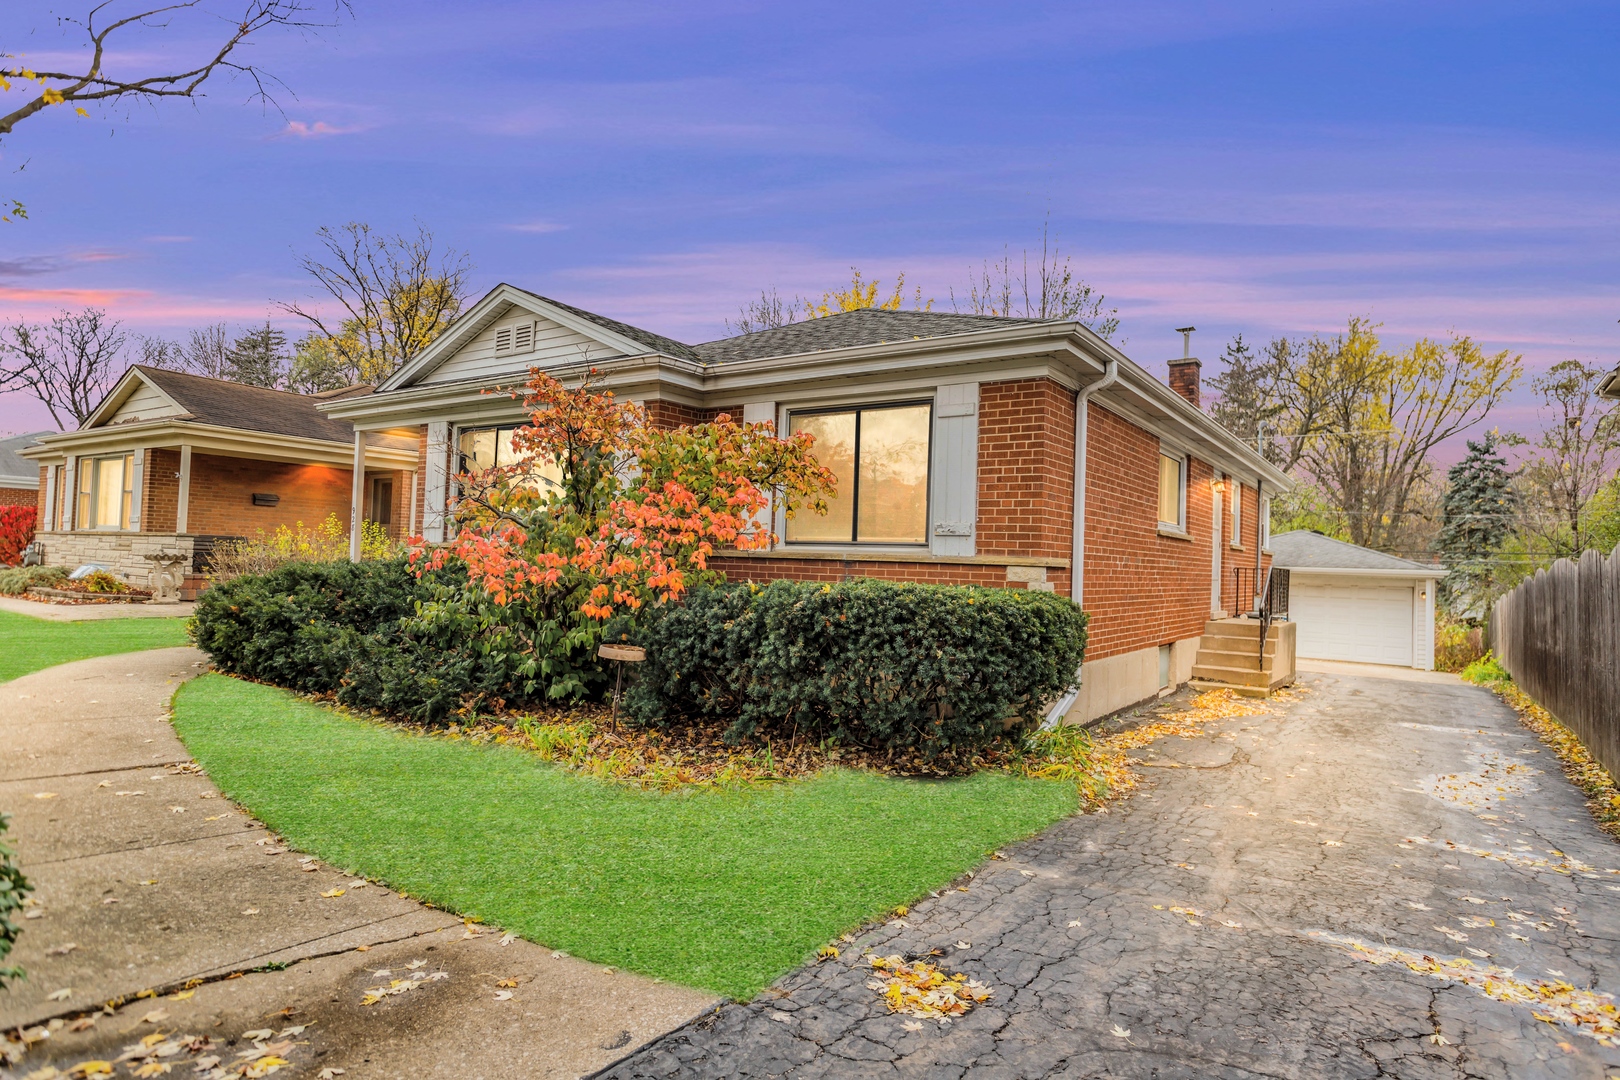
{"x": 719, "y": 890}
{"x": 28, "y": 644}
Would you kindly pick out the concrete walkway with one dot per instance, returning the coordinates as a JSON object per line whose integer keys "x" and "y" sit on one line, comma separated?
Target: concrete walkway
{"x": 149, "y": 883}
{"x": 93, "y": 612}
{"x": 1263, "y": 907}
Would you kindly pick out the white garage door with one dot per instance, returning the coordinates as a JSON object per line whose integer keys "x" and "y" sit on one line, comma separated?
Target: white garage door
{"x": 1366, "y": 621}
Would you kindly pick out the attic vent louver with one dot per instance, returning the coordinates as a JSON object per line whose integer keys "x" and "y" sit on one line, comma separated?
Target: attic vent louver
{"x": 503, "y": 339}
{"x": 523, "y": 337}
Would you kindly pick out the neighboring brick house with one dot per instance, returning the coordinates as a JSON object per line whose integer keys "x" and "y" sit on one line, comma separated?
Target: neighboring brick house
{"x": 172, "y": 462}
{"x": 19, "y": 479}
{"x": 954, "y": 437}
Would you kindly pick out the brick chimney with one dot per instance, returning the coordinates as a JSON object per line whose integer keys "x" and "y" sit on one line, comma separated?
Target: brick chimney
{"x": 1184, "y": 379}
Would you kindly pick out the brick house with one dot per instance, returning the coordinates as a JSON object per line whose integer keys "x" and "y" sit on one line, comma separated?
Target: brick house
{"x": 956, "y": 439}
{"x": 172, "y": 462}
{"x": 19, "y": 479}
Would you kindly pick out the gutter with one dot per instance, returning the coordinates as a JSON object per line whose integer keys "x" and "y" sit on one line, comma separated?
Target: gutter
{"x": 1077, "y": 560}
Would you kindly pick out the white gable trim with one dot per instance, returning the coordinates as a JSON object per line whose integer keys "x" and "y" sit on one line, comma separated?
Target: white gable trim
{"x": 478, "y": 318}
{"x": 121, "y": 392}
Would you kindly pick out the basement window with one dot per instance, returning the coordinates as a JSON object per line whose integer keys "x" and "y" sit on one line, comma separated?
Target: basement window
{"x": 880, "y": 457}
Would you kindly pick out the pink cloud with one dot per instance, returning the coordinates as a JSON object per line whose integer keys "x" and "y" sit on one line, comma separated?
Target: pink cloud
{"x": 318, "y": 130}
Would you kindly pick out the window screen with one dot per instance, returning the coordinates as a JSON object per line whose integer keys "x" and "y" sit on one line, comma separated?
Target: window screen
{"x": 1170, "y": 480}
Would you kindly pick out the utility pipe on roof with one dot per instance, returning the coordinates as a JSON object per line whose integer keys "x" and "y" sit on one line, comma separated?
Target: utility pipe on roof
{"x": 1077, "y": 558}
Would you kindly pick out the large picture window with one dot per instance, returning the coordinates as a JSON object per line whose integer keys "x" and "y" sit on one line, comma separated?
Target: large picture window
{"x": 880, "y": 457}
{"x": 1172, "y": 489}
{"x": 106, "y": 491}
{"x": 483, "y": 449}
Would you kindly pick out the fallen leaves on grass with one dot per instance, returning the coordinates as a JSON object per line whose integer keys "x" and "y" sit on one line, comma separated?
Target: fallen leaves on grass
{"x": 1554, "y": 1002}
{"x": 920, "y": 989}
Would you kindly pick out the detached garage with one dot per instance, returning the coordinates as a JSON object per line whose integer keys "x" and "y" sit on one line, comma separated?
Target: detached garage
{"x": 1353, "y": 603}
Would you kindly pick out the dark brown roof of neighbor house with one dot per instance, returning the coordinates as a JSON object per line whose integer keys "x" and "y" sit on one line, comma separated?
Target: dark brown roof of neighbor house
{"x": 249, "y": 408}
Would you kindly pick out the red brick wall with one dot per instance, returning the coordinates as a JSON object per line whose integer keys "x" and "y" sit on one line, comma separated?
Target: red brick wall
{"x": 674, "y": 414}
{"x": 20, "y": 496}
{"x": 160, "y": 491}
{"x": 1026, "y": 469}
{"x": 1142, "y": 589}
{"x": 1244, "y": 556}
{"x": 421, "y": 482}
{"x": 222, "y": 488}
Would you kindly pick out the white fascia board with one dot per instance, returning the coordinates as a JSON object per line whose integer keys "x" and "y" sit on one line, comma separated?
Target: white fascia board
{"x": 473, "y": 322}
{"x": 1610, "y": 386}
{"x": 208, "y": 438}
{"x": 1347, "y": 571}
{"x": 11, "y": 481}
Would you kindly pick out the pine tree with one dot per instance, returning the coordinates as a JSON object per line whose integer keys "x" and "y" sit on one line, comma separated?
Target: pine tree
{"x": 1476, "y": 517}
{"x": 1245, "y": 403}
{"x": 258, "y": 358}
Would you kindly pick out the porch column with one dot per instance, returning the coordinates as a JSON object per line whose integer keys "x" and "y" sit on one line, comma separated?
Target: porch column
{"x": 70, "y": 492}
{"x": 182, "y": 499}
{"x": 357, "y": 502}
{"x": 47, "y": 520}
{"x": 138, "y": 469}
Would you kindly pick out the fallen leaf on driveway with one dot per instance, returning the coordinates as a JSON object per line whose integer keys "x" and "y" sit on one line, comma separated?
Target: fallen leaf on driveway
{"x": 1233, "y": 925}
{"x": 920, "y": 989}
{"x": 329, "y": 1074}
{"x": 156, "y": 1016}
{"x": 86, "y": 1069}
{"x": 331, "y": 894}
{"x": 1477, "y": 900}
{"x": 1074, "y": 922}
{"x": 509, "y": 937}
{"x": 250, "y": 911}
{"x": 60, "y": 995}
{"x": 45, "y": 795}
{"x": 414, "y": 964}
{"x": 1479, "y": 952}
{"x": 1417, "y": 907}
{"x": 292, "y": 1032}
{"x": 148, "y": 881}
{"x": 1031, "y": 873}
{"x": 256, "y": 1034}
{"x": 912, "y": 1025}
{"x": 1121, "y": 1032}
{"x": 964, "y": 944}
{"x": 129, "y": 793}
{"x": 503, "y": 995}
{"x": 182, "y": 995}
{"x": 177, "y": 809}
{"x": 1331, "y": 843}
{"x": 62, "y": 950}
{"x": 110, "y": 900}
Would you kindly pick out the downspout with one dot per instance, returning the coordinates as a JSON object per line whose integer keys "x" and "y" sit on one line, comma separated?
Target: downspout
{"x": 1077, "y": 557}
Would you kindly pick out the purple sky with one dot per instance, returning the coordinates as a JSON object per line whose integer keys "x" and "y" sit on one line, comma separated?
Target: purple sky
{"x": 1267, "y": 168}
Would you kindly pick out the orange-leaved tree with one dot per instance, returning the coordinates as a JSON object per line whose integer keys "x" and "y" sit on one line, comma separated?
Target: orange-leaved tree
{"x": 602, "y": 513}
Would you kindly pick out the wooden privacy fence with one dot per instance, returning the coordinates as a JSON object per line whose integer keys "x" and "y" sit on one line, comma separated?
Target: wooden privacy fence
{"x": 1558, "y": 634}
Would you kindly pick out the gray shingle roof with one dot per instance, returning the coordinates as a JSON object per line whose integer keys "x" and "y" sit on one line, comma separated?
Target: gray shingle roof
{"x": 656, "y": 342}
{"x": 866, "y": 326}
{"x": 14, "y": 465}
{"x": 249, "y": 408}
{"x": 1304, "y": 549}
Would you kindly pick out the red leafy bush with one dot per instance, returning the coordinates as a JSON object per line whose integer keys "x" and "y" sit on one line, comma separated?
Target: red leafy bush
{"x": 16, "y": 532}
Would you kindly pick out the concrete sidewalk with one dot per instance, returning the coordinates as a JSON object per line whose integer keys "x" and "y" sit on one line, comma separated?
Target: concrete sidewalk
{"x": 150, "y": 885}
{"x": 94, "y": 612}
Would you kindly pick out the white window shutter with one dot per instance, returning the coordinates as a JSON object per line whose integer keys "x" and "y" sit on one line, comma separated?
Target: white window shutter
{"x": 433, "y": 502}
{"x": 954, "y": 472}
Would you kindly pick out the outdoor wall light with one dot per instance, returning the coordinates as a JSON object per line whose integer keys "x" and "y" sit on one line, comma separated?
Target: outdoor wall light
{"x": 1218, "y": 485}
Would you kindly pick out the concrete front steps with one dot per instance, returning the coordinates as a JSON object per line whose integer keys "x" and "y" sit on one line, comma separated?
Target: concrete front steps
{"x": 1229, "y": 657}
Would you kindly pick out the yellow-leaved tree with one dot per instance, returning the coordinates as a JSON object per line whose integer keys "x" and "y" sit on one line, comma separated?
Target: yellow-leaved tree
{"x": 861, "y": 294}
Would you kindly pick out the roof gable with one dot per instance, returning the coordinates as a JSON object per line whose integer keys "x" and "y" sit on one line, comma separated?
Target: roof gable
{"x": 561, "y": 334}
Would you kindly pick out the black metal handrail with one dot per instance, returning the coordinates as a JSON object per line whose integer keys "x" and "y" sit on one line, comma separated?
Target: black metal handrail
{"x": 1270, "y": 599}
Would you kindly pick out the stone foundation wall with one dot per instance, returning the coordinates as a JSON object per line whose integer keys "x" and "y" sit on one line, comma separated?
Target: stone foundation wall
{"x": 123, "y": 551}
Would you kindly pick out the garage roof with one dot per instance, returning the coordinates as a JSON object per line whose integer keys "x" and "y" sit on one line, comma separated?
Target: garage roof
{"x": 1306, "y": 549}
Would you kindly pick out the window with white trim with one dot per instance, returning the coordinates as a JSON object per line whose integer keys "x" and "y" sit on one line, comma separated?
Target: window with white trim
{"x": 106, "y": 491}
{"x": 880, "y": 456}
{"x": 482, "y": 449}
{"x": 1172, "y": 490}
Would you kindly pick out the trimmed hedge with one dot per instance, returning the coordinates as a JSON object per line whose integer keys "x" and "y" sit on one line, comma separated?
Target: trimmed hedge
{"x": 376, "y": 637}
{"x": 867, "y": 662}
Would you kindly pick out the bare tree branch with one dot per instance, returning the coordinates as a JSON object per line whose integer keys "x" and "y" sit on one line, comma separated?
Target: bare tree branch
{"x": 69, "y": 364}
{"x": 93, "y": 83}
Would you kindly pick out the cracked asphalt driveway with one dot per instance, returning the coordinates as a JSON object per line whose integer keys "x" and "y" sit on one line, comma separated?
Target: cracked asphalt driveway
{"x": 1325, "y": 861}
